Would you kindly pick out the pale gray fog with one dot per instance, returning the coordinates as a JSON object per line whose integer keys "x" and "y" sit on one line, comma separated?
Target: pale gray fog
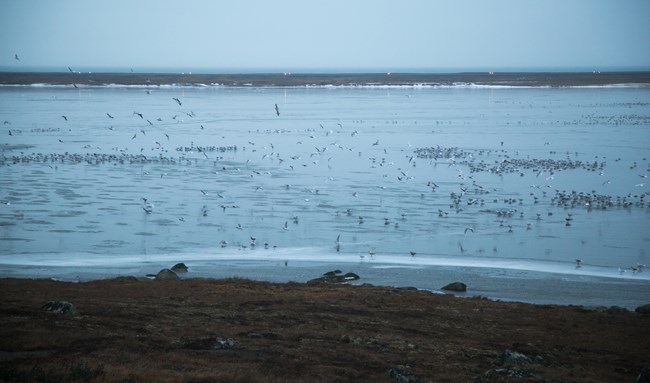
{"x": 317, "y": 36}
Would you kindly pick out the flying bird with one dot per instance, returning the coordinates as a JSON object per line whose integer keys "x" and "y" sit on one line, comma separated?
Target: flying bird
{"x": 139, "y": 114}
{"x": 177, "y": 101}
{"x": 277, "y": 111}
{"x": 109, "y": 115}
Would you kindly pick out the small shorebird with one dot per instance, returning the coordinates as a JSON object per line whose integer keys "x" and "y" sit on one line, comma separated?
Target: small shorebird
{"x": 412, "y": 253}
{"x": 16, "y": 57}
{"x": 578, "y": 263}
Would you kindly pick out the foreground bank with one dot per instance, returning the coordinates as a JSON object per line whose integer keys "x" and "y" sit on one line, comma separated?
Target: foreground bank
{"x": 231, "y": 330}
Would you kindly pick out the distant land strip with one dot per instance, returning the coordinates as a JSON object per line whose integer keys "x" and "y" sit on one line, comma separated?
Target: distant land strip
{"x": 551, "y": 79}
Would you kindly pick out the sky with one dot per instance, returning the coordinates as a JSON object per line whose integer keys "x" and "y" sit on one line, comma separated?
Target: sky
{"x": 325, "y": 35}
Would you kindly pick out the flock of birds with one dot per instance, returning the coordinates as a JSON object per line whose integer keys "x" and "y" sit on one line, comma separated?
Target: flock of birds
{"x": 466, "y": 194}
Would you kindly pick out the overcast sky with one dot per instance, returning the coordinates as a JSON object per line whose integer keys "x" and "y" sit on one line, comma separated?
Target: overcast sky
{"x": 325, "y": 35}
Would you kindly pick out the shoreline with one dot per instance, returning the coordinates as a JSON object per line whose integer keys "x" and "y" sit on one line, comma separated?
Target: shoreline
{"x": 494, "y": 283}
{"x": 513, "y": 79}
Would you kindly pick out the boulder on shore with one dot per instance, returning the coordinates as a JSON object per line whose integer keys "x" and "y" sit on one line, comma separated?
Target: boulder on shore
{"x": 455, "y": 286}
{"x": 643, "y": 309}
{"x": 179, "y": 268}
{"x": 166, "y": 275}
{"x": 336, "y": 277}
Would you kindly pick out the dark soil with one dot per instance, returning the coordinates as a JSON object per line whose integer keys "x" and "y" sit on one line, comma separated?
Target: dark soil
{"x": 235, "y": 330}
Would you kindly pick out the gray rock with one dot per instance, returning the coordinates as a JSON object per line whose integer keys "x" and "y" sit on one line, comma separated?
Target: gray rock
{"x": 61, "y": 307}
{"x": 456, "y": 286}
{"x": 505, "y": 373}
{"x": 402, "y": 376}
{"x": 336, "y": 277}
{"x": 224, "y": 344}
{"x": 211, "y": 344}
{"x": 165, "y": 275}
{"x": 351, "y": 277}
{"x": 179, "y": 268}
{"x": 514, "y": 357}
{"x": 643, "y": 309}
{"x": 644, "y": 376}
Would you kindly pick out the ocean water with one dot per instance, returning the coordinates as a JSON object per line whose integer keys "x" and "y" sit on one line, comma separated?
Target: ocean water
{"x": 491, "y": 181}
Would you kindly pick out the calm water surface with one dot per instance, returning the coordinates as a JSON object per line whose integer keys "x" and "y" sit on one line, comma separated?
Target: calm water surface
{"x": 461, "y": 176}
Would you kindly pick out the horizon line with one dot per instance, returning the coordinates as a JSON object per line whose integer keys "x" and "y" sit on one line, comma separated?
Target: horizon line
{"x": 322, "y": 70}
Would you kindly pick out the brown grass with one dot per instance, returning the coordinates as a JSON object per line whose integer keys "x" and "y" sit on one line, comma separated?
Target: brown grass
{"x": 132, "y": 330}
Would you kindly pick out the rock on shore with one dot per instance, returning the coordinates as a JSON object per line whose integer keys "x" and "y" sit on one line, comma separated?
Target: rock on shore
{"x": 455, "y": 286}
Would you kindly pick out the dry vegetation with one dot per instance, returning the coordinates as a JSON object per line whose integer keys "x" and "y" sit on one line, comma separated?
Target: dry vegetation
{"x": 131, "y": 330}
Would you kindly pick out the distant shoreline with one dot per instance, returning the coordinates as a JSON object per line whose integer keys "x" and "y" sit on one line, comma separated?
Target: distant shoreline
{"x": 513, "y": 79}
